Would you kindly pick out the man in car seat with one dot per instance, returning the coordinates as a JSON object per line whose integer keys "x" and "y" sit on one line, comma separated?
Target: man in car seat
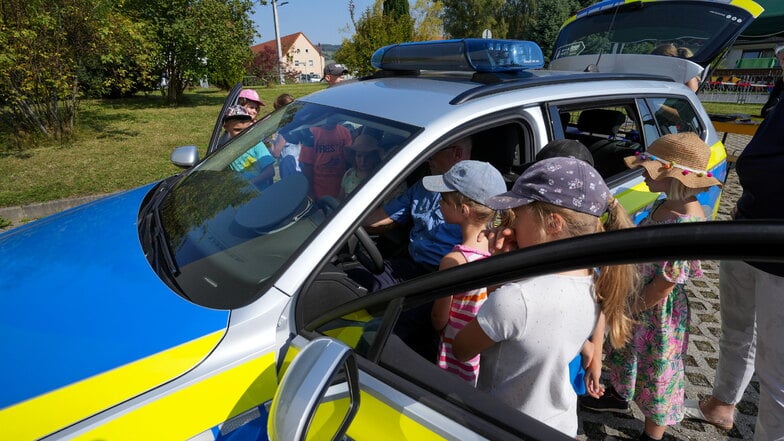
{"x": 430, "y": 239}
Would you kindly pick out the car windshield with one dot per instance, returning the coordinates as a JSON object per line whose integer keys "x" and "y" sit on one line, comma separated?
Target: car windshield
{"x": 696, "y": 31}
{"x": 242, "y": 213}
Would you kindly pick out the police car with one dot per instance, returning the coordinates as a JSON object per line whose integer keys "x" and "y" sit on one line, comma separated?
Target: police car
{"x": 210, "y": 306}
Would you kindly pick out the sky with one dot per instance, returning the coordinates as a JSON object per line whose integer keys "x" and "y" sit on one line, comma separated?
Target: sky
{"x": 322, "y": 21}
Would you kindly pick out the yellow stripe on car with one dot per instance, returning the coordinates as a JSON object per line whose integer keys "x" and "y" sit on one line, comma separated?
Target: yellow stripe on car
{"x": 196, "y": 407}
{"x": 34, "y": 418}
{"x": 377, "y": 421}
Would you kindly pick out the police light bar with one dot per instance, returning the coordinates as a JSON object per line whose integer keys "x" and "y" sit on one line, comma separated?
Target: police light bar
{"x": 468, "y": 54}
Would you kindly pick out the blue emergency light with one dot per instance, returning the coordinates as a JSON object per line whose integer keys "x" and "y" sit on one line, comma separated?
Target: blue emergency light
{"x": 468, "y": 54}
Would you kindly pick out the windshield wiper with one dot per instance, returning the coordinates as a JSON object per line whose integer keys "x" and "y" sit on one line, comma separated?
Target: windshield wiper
{"x": 153, "y": 236}
{"x": 161, "y": 245}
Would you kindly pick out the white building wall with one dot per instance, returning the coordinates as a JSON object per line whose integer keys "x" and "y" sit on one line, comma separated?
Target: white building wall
{"x": 304, "y": 57}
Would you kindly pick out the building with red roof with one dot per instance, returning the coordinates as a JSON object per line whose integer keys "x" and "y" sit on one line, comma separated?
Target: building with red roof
{"x": 299, "y": 55}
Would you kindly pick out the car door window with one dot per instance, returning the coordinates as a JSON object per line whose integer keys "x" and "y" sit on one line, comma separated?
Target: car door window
{"x": 611, "y": 132}
{"x": 675, "y": 115}
{"x": 346, "y": 278}
{"x": 406, "y": 374}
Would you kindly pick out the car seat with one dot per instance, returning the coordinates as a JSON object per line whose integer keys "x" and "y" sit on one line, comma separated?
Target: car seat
{"x": 608, "y": 151}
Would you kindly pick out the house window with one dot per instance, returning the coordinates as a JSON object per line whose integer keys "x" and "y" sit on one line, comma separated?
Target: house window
{"x": 306, "y": 51}
{"x": 310, "y": 62}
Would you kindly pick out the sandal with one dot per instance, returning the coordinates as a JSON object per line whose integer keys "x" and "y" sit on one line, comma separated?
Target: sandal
{"x": 692, "y": 410}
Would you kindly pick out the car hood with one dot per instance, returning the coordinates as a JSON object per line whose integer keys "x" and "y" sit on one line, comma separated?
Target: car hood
{"x": 78, "y": 299}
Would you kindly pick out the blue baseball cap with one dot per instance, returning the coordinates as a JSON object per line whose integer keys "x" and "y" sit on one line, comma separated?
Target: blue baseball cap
{"x": 565, "y": 182}
{"x": 475, "y": 179}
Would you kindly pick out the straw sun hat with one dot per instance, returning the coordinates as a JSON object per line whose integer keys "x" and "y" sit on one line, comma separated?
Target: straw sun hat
{"x": 681, "y": 156}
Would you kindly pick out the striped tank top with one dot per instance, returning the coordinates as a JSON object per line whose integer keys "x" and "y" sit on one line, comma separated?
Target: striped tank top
{"x": 463, "y": 309}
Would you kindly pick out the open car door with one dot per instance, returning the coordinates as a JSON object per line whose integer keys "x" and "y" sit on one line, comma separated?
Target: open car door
{"x": 346, "y": 372}
{"x": 626, "y": 36}
{"x": 231, "y": 99}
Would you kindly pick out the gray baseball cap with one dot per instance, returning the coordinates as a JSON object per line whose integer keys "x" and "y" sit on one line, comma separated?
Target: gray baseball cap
{"x": 335, "y": 69}
{"x": 565, "y": 182}
{"x": 475, "y": 179}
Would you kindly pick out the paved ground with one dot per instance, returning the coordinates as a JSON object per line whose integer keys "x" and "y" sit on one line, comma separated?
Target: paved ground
{"x": 700, "y": 362}
{"x": 702, "y": 355}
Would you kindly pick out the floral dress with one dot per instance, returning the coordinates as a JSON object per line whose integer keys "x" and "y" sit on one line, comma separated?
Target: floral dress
{"x": 649, "y": 369}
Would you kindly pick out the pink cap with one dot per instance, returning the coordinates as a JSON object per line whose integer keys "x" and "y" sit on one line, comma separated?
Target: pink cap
{"x": 251, "y": 95}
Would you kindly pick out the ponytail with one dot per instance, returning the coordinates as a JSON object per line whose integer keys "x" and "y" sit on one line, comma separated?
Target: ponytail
{"x": 616, "y": 283}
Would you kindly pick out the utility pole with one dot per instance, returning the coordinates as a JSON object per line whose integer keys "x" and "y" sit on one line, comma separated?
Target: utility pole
{"x": 277, "y": 39}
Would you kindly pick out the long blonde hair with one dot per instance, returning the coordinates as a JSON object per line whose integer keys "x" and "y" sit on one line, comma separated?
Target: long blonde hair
{"x": 614, "y": 283}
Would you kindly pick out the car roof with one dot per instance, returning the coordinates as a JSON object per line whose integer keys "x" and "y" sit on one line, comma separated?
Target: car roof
{"x": 401, "y": 97}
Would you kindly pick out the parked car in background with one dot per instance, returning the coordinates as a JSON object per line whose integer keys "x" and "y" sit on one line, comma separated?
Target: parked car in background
{"x": 173, "y": 310}
{"x": 309, "y": 78}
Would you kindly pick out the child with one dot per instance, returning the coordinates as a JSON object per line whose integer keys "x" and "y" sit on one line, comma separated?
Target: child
{"x": 250, "y": 100}
{"x": 286, "y": 152}
{"x": 367, "y": 156}
{"x": 282, "y": 100}
{"x": 585, "y": 369}
{"x": 649, "y": 369}
{"x": 529, "y": 330}
{"x": 461, "y": 187}
{"x": 235, "y": 120}
{"x": 323, "y": 159}
{"x": 255, "y": 164}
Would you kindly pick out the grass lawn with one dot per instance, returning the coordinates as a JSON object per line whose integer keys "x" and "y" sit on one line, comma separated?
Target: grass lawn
{"x": 120, "y": 144}
{"x": 126, "y": 143}
{"x": 752, "y": 110}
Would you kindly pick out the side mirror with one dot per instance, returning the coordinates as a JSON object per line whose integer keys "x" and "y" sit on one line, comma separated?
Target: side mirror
{"x": 185, "y": 156}
{"x": 318, "y": 396}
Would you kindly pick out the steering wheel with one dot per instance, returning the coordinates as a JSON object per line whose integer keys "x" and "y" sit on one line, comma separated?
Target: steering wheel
{"x": 367, "y": 252}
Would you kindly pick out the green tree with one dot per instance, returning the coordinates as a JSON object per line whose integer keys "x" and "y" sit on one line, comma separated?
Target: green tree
{"x": 228, "y": 33}
{"x": 468, "y": 18}
{"x": 545, "y": 23}
{"x": 396, "y": 8}
{"x": 127, "y": 62}
{"x": 373, "y": 30}
{"x": 199, "y": 38}
{"x": 535, "y": 20}
{"x": 43, "y": 46}
{"x": 519, "y": 14}
{"x": 428, "y": 24}
{"x": 397, "y": 12}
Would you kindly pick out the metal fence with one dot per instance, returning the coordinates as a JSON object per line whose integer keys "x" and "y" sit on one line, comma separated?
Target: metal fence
{"x": 739, "y": 86}
{"x": 733, "y": 93}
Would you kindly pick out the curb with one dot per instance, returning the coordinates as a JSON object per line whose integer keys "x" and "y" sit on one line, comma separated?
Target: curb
{"x": 42, "y": 209}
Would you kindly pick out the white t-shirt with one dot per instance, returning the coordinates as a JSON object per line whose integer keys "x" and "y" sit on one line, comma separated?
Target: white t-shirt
{"x": 539, "y": 325}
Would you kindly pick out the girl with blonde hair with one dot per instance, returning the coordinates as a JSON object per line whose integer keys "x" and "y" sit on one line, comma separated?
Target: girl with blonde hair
{"x": 649, "y": 370}
{"x": 529, "y": 330}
